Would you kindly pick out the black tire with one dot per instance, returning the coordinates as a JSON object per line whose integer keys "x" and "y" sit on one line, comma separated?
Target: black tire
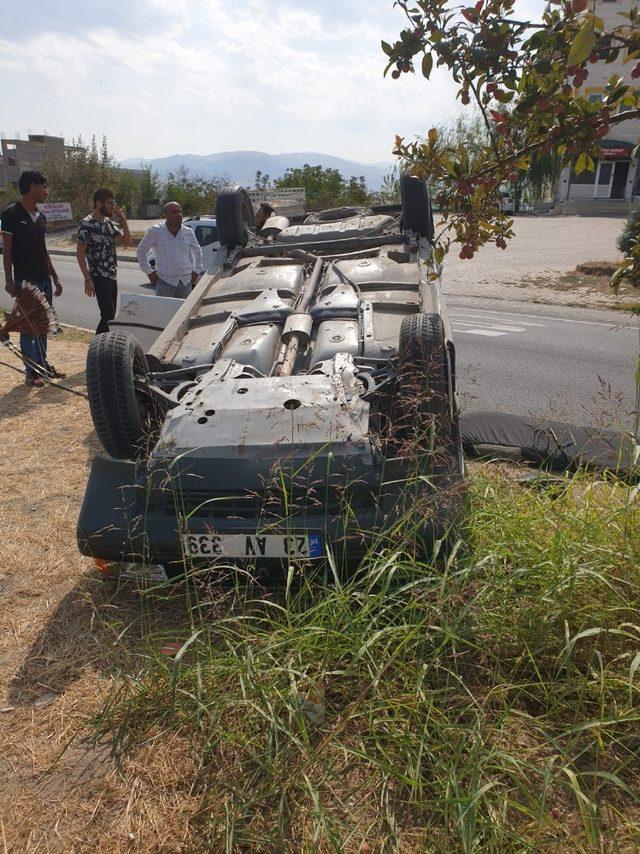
{"x": 234, "y": 215}
{"x": 416, "y": 207}
{"x": 423, "y": 362}
{"x": 422, "y": 388}
{"x": 120, "y": 416}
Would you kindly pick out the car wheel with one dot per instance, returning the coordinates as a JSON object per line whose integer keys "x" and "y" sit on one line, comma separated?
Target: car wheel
{"x": 121, "y": 415}
{"x": 416, "y": 207}
{"x": 422, "y": 388}
{"x": 234, "y": 216}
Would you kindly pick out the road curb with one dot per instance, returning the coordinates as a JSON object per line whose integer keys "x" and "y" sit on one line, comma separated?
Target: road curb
{"x": 71, "y": 253}
{"x": 77, "y": 328}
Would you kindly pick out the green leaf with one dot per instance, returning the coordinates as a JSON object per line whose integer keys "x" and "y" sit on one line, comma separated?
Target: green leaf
{"x": 582, "y": 44}
{"x": 583, "y": 163}
{"x": 386, "y": 47}
{"x": 427, "y": 65}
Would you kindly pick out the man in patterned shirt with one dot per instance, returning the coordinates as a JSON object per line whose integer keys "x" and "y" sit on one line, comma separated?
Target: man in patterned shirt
{"x": 96, "y": 253}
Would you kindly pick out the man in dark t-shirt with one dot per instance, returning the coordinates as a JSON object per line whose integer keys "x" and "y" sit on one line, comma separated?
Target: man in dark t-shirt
{"x": 96, "y": 253}
{"x": 26, "y": 259}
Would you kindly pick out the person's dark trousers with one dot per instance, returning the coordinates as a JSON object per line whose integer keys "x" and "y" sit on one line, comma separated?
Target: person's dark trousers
{"x": 34, "y": 347}
{"x": 107, "y": 297}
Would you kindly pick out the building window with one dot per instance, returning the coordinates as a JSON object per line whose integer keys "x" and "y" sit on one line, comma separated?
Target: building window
{"x": 604, "y": 176}
{"x": 585, "y": 177}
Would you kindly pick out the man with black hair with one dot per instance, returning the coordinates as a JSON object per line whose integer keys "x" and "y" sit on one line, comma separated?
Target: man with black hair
{"x": 178, "y": 255}
{"x": 26, "y": 259}
{"x": 96, "y": 253}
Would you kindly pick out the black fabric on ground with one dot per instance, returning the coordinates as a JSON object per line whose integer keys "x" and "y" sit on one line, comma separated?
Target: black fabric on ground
{"x": 554, "y": 445}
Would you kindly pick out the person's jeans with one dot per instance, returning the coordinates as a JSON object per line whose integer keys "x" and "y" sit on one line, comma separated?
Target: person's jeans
{"x": 179, "y": 291}
{"x": 34, "y": 347}
{"x": 107, "y": 298}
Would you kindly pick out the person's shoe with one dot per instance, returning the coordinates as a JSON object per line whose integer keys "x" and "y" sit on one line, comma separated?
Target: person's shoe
{"x": 36, "y": 382}
{"x": 54, "y": 373}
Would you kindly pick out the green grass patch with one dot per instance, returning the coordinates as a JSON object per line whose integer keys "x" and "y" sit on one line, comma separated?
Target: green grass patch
{"x": 631, "y": 307}
{"x": 489, "y": 701}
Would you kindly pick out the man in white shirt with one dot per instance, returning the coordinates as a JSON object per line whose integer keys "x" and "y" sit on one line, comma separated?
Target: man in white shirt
{"x": 177, "y": 253}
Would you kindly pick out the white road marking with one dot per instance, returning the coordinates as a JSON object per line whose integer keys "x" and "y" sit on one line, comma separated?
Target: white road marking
{"x": 546, "y": 317}
{"x": 488, "y": 332}
{"x": 501, "y": 326}
{"x": 455, "y": 314}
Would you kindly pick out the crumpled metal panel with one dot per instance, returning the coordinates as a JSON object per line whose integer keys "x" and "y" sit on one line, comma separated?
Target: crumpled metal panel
{"x": 336, "y": 336}
{"x": 250, "y": 280}
{"x": 267, "y": 306}
{"x": 341, "y": 301}
{"x": 255, "y": 346}
{"x": 354, "y": 227}
{"x": 378, "y": 273}
{"x": 227, "y": 417}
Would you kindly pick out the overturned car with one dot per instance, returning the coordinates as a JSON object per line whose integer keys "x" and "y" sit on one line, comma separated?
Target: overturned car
{"x": 299, "y": 405}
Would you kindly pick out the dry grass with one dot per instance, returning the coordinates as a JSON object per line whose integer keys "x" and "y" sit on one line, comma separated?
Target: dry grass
{"x": 588, "y": 285}
{"x": 55, "y": 666}
{"x": 485, "y": 703}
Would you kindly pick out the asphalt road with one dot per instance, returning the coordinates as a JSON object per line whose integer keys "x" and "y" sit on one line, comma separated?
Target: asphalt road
{"x": 555, "y": 362}
{"x": 74, "y": 306}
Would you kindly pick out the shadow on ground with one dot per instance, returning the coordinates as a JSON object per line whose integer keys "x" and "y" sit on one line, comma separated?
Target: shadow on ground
{"x": 23, "y": 399}
{"x": 99, "y": 626}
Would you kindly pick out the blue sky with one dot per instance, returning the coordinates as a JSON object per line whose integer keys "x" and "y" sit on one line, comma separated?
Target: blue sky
{"x": 198, "y": 76}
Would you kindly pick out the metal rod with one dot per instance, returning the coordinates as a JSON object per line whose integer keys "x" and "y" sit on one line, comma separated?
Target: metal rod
{"x": 285, "y": 369}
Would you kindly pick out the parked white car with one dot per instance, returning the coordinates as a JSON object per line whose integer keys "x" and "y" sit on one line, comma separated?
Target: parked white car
{"x": 205, "y": 229}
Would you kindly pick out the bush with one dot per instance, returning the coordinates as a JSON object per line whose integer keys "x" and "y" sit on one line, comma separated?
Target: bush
{"x": 630, "y": 231}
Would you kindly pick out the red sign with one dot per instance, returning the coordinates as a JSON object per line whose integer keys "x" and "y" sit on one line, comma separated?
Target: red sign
{"x": 616, "y": 151}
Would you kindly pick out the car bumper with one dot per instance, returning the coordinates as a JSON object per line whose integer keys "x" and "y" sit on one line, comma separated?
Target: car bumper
{"x": 118, "y": 522}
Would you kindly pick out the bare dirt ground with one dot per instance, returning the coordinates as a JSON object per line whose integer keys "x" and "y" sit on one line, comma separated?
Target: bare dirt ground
{"x": 54, "y": 649}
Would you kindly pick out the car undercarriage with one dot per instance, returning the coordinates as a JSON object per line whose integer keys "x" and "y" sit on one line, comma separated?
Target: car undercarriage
{"x": 299, "y": 405}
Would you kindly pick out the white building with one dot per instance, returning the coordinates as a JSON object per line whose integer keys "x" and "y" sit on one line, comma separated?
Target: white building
{"x": 616, "y": 180}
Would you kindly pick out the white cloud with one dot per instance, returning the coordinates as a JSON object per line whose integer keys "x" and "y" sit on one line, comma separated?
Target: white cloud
{"x": 209, "y": 75}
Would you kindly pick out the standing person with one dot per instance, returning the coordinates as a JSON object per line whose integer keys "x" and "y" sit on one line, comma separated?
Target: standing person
{"x": 264, "y": 212}
{"x": 96, "y": 253}
{"x": 177, "y": 252}
{"x": 26, "y": 259}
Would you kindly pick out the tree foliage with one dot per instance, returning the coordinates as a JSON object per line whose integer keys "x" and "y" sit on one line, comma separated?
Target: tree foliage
{"x": 194, "y": 193}
{"x": 325, "y": 188}
{"x": 78, "y": 174}
{"x": 526, "y": 79}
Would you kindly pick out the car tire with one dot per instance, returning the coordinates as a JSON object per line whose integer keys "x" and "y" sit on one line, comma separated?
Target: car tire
{"x": 121, "y": 418}
{"x": 417, "y": 215}
{"x": 234, "y": 216}
{"x": 422, "y": 399}
{"x": 422, "y": 360}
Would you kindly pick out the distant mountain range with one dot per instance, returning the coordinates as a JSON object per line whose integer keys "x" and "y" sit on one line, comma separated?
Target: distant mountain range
{"x": 240, "y": 167}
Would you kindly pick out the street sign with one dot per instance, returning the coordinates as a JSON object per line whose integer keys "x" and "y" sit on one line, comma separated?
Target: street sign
{"x": 56, "y": 210}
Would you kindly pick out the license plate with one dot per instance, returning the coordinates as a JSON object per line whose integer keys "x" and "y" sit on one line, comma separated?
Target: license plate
{"x": 300, "y": 546}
